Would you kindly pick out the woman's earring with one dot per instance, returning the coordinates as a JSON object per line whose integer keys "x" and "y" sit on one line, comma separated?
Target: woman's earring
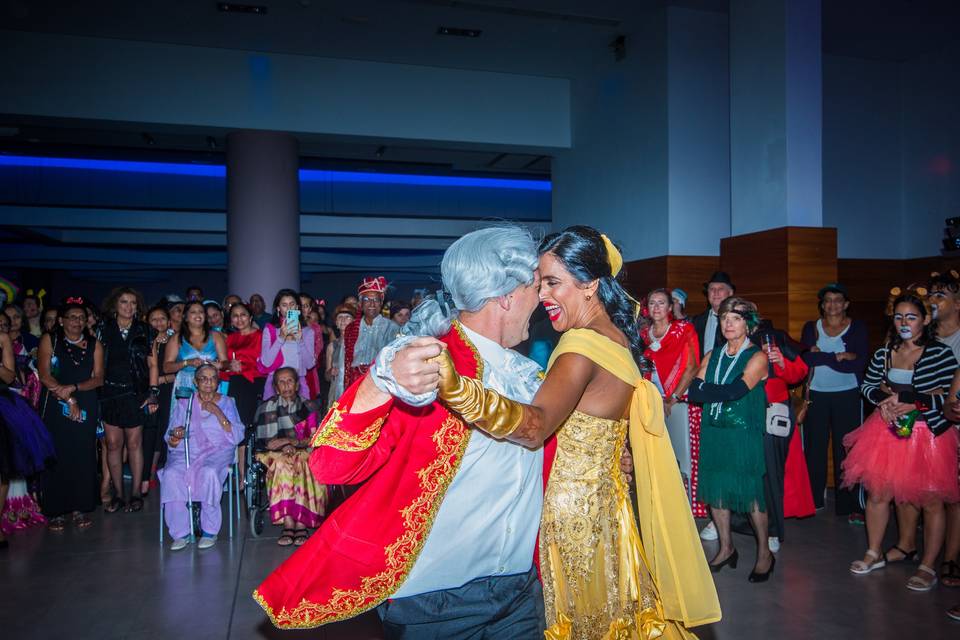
{"x": 588, "y": 297}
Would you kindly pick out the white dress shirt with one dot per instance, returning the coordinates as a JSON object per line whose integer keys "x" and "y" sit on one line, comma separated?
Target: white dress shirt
{"x": 710, "y": 332}
{"x": 373, "y": 337}
{"x": 487, "y": 523}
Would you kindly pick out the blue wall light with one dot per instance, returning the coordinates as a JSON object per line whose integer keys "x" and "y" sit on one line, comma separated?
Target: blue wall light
{"x": 306, "y": 175}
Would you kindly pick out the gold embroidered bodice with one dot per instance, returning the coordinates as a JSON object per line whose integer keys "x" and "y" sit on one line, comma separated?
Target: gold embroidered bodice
{"x": 585, "y": 484}
{"x": 595, "y": 580}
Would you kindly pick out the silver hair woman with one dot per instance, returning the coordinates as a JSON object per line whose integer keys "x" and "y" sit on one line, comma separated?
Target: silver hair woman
{"x": 215, "y": 431}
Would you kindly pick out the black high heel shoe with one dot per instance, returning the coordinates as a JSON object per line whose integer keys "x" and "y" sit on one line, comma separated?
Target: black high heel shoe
{"x": 763, "y": 577}
{"x": 731, "y": 560}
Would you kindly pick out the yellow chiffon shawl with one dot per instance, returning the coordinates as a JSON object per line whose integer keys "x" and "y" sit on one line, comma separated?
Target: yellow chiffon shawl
{"x": 670, "y": 540}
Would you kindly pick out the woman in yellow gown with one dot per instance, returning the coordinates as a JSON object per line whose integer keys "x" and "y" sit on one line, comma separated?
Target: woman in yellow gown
{"x": 602, "y": 578}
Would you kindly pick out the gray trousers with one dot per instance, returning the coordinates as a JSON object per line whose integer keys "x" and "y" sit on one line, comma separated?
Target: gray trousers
{"x": 499, "y": 608}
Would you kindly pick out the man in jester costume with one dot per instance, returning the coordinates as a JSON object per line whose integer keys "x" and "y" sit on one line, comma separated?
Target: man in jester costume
{"x": 440, "y": 536}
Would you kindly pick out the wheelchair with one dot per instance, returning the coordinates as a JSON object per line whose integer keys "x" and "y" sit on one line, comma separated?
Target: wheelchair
{"x": 256, "y": 497}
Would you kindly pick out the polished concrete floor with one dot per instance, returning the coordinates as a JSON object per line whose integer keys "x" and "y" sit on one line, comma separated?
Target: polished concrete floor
{"x": 115, "y": 581}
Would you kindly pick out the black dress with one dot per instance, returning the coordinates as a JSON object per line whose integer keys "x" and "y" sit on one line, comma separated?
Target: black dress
{"x": 126, "y": 376}
{"x": 155, "y": 424}
{"x": 71, "y": 485}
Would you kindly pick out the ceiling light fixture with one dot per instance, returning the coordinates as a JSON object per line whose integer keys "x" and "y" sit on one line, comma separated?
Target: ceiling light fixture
{"x": 230, "y": 7}
{"x": 456, "y": 31}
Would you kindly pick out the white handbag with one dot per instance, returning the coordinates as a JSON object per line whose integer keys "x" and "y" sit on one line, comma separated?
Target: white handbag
{"x": 778, "y": 419}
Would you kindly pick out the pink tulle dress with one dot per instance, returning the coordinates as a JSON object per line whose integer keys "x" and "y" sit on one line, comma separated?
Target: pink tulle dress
{"x": 918, "y": 469}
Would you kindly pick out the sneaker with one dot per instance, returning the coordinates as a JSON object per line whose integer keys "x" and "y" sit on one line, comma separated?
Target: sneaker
{"x": 179, "y": 544}
{"x": 709, "y": 532}
{"x": 856, "y": 518}
{"x": 774, "y": 543}
{"x": 206, "y": 541}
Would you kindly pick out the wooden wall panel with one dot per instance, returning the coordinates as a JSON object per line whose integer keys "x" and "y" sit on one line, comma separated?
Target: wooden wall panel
{"x": 781, "y": 270}
{"x": 756, "y": 262}
{"x": 869, "y": 282}
{"x": 811, "y": 263}
{"x": 687, "y": 272}
{"x": 642, "y": 276}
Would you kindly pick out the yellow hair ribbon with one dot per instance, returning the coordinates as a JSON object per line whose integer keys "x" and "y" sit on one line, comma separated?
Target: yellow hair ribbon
{"x": 613, "y": 256}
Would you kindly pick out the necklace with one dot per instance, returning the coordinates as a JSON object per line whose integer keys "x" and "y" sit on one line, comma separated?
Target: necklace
{"x": 654, "y": 340}
{"x": 124, "y": 331}
{"x": 76, "y": 350}
{"x": 716, "y": 408}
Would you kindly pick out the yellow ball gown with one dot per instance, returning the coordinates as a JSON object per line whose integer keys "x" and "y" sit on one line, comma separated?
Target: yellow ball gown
{"x": 602, "y": 580}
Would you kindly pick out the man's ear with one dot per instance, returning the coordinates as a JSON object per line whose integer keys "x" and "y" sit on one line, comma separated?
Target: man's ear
{"x": 505, "y": 302}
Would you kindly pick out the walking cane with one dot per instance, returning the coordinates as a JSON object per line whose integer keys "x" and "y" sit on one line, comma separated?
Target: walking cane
{"x": 187, "y": 393}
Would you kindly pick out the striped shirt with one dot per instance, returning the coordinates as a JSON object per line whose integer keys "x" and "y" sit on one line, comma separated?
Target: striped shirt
{"x": 932, "y": 377}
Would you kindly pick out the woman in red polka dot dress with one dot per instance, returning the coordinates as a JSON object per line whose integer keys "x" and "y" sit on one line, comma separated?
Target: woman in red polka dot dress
{"x": 674, "y": 350}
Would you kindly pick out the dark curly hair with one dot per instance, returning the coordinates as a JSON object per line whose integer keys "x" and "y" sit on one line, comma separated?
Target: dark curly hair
{"x": 929, "y": 333}
{"x": 583, "y": 253}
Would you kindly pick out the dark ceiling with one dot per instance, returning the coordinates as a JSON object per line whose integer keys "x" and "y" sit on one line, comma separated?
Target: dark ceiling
{"x": 539, "y": 37}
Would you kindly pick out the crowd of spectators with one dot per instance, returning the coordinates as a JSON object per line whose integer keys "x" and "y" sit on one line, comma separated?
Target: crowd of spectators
{"x": 91, "y": 392}
{"x": 101, "y": 403}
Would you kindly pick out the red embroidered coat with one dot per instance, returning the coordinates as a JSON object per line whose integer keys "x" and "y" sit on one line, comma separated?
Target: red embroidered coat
{"x": 365, "y": 549}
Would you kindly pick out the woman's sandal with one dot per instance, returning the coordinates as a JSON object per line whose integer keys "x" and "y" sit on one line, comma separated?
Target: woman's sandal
{"x": 135, "y": 504}
{"x": 908, "y": 556}
{"x": 81, "y": 521}
{"x": 286, "y": 539}
{"x": 115, "y": 505}
{"x": 950, "y": 574}
{"x": 57, "y": 524}
{"x": 300, "y": 536}
{"x": 918, "y": 582}
{"x": 861, "y": 568}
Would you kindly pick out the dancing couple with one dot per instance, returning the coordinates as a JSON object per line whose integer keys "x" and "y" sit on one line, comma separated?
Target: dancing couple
{"x": 465, "y": 452}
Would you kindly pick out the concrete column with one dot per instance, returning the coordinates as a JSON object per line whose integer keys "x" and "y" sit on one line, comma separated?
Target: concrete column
{"x": 776, "y": 124}
{"x": 263, "y": 213}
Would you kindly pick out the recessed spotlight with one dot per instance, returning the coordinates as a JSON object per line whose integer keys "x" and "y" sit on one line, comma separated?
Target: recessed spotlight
{"x": 231, "y": 7}
{"x": 456, "y": 31}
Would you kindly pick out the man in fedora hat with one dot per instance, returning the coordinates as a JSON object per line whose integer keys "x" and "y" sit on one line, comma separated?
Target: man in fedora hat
{"x": 717, "y": 289}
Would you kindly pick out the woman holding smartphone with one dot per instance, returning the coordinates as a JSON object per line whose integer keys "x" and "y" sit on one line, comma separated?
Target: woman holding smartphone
{"x": 196, "y": 344}
{"x": 287, "y": 341}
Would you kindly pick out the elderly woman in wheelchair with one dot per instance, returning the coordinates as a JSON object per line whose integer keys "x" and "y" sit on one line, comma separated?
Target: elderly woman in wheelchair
{"x": 202, "y": 440}
{"x": 284, "y": 430}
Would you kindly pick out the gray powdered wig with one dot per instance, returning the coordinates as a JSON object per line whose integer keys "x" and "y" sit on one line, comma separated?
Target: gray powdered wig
{"x": 487, "y": 264}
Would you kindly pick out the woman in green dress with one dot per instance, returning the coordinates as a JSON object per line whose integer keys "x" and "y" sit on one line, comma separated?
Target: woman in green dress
{"x": 730, "y": 385}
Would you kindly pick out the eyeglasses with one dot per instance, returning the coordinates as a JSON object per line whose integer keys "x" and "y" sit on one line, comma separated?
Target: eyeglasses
{"x": 206, "y": 378}
{"x": 366, "y": 299}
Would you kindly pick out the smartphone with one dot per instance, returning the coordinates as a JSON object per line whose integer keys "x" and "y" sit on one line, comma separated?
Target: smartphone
{"x": 65, "y": 410}
{"x": 293, "y": 317}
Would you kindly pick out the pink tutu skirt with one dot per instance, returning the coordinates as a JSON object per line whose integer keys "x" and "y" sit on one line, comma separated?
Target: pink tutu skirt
{"x": 915, "y": 470}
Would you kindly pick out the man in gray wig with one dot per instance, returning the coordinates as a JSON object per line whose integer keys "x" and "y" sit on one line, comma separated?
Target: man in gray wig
{"x": 471, "y": 570}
